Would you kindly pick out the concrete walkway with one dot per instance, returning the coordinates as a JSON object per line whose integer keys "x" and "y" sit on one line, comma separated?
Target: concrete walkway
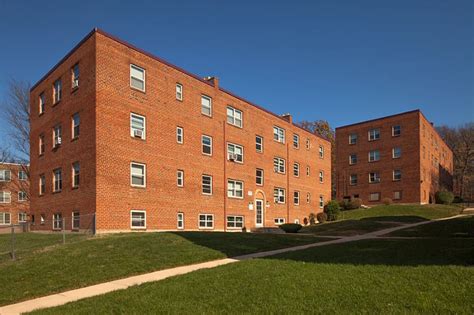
{"x": 106, "y": 287}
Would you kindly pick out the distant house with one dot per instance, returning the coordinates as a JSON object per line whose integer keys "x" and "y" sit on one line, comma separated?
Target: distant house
{"x": 14, "y": 194}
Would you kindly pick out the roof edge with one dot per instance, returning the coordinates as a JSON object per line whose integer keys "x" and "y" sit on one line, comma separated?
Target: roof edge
{"x": 380, "y": 118}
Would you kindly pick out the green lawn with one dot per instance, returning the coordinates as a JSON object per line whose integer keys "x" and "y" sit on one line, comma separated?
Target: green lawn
{"x": 117, "y": 256}
{"x": 417, "y": 276}
{"x": 458, "y": 227}
{"x": 347, "y": 227}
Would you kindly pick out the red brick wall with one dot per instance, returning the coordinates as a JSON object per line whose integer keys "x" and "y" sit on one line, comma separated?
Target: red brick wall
{"x": 14, "y": 186}
{"x": 162, "y": 199}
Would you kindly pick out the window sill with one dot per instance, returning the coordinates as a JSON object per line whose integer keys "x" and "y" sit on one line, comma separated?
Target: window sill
{"x": 206, "y": 228}
{"x": 74, "y": 187}
{"x": 139, "y": 187}
{"x": 138, "y": 228}
{"x": 74, "y": 89}
{"x": 40, "y": 114}
{"x": 56, "y": 103}
{"x": 138, "y": 138}
{"x": 75, "y": 139}
{"x": 137, "y": 90}
{"x": 57, "y": 191}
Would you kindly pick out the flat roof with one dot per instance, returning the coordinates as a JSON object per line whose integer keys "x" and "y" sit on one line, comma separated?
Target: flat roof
{"x": 381, "y": 118}
{"x": 97, "y": 30}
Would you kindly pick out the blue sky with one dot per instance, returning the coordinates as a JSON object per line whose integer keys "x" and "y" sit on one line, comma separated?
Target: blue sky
{"x": 343, "y": 61}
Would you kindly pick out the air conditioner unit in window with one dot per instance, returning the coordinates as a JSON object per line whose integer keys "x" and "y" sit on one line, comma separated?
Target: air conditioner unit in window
{"x": 75, "y": 84}
{"x": 233, "y": 157}
{"x": 138, "y": 133}
{"x": 58, "y": 141}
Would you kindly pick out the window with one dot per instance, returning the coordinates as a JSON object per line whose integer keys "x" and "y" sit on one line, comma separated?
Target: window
{"x": 179, "y": 135}
{"x": 137, "y": 78}
{"x": 308, "y": 197}
{"x": 137, "y": 126}
{"x": 321, "y": 201}
{"x": 296, "y": 198}
{"x": 179, "y": 92}
{"x": 259, "y": 177}
{"x": 321, "y": 152}
{"x": 374, "y": 177}
{"x": 137, "y": 175}
{"x": 138, "y": 219}
{"x": 75, "y": 122}
{"x": 279, "y": 221}
{"x": 206, "y": 221}
{"x": 374, "y": 134}
{"x": 180, "y": 178}
{"x": 41, "y": 144}
{"x": 22, "y": 196}
{"x": 42, "y": 184}
{"x": 76, "y": 169}
{"x": 180, "y": 221}
{"x": 75, "y": 76}
{"x": 279, "y": 195}
{"x": 353, "y": 180}
{"x": 396, "y": 131}
{"x": 279, "y": 165}
{"x": 296, "y": 141}
{"x": 352, "y": 159}
{"x": 5, "y": 175}
{"x": 374, "y": 196}
{"x": 76, "y": 220}
{"x": 396, "y": 153}
{"x": 22, "y": 175}
{"x": 41, "y": 105}
{"x": 206, "y": 145}
{"x": 296, "y": 169}
{"x": 397, "y": 195}
{"x": 397, "y": 175}
{"x": 57, "y": 91}
{"x": 235, "y": 153}
{"x": 206, "y": 105}
{"x": 234, "y": 116}
{"x": 22, "y": 217}
{"x": 5, "y": 197}
{"x": 57, "y": 221}
{"x": 353, "y": 138}
{"x": 57, "y": 180}
{"x": 259, "y": 144}
{"x": 235, "y": 222}
{"x": 279, "y": 134}
{"x": 42, "y": 219}
{"x": 57, "y": 131}
{"x": 235, "y": 189}
{"x": 308, "y": 170}
{"x": 321, "y": 176}
{"x": 207, "y": 184}
{"x": 5, "y": 218}
{"x": 374, "y": 155}
{"x": 308, "y": 144}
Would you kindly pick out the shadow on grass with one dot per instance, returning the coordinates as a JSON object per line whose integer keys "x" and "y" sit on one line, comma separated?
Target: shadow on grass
{"x": 400, "y": 219}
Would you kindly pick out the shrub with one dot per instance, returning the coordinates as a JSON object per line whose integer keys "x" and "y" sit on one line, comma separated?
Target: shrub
{"x": 291, "y": 227}
{"x": 458, "y": 199}
{"x": 322, "y": 217}
{"x": 332, "y": 210}
{"x": 387, "y": 201}
{"x": 354, "y": 204}
{"x": 444, "y": 197}
{"x": 312, "y": 218}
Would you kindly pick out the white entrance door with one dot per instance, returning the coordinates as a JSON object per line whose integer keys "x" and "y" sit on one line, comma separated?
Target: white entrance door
{"x": 258, "y": 213}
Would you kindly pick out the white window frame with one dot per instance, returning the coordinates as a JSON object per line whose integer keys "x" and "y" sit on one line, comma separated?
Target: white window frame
{"x": 374, "y": 134}
{"x": 20, "y": 177}
{"x": 296, "y": 169}
{"x": 279, "y": 134}
{"x": 203, "y": 107}
{"x": 180, "y": 178}
{"x": 353, "y": 138}
{"x": 132, "y": 129}
{"x": 132, "y": 66}
{"x": 399, "y": 193}
{"x": 399, "y": 131}
{"x": 308, "y": 197}
{"x": 232, "y": 120}
{"x": 279, "y": 221}
{"x": 41, "y": 103}
{"x": 203, "y": 185}
{"x": 351, "y": 161}
{"x": 41, "y": 144}
{"x": 57, "y": 134}
{"x": 131, "y": 174}
{"x": 296, "y": 141}
{"x": 258, "y": 144}
{"x": 232, "y": 189}
{"x": 296, "y": 198}
{"x": 57, "y": 180}
{"x": 57, "y": 91}
{"x": 179, "y": 91}
{"x": 141, "y": 220}
{"x": 57, "y": 221}
{"x": 375, "y": 178}
{"x": 179, "y": 135}
{"x": 279, "y": 195}
{"x": 4, "y": 177}
{"x": 205, "y": 145}
{"x": 76, "y": 174}
{"x": 22, "y": 196}
{"x": 308, "y": 144}
{"x": 321, "y": 201}
{"x": 321, "y": 177}
{"x": 205, "y": 221}
{"x": 351, "y": 182}
{"x": 180, "y": 219}
{"x": 393, "y": 153}
{"x": 232, "y": 224}
{"x": 42, "y": 185}
{"x": 374, "y": 193}
{"x": 399, "y": 173}
{"x": 375, "y": 154}
{"x": 75, "y": 76}
{"x": 75, "y": 215}
{"x": 308, "y": 171}
{"x": 22, "y": 217}
{"x": 231, "y": 148}
{"x": 3, "y": 220}
{"x": 262, "y": 177}
{"x": 321, "y": 152}
{"x": 279, "y": 165}
{"x": 6, "y": 197}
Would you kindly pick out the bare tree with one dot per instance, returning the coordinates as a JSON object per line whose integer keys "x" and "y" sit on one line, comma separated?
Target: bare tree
{"x": 17, "y": 115}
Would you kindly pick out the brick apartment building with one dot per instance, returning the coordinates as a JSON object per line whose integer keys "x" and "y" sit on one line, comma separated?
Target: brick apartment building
{"x": 400, "y": 157}
{"x": 14, "y": 186}
{"x": 143, "y": 144}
